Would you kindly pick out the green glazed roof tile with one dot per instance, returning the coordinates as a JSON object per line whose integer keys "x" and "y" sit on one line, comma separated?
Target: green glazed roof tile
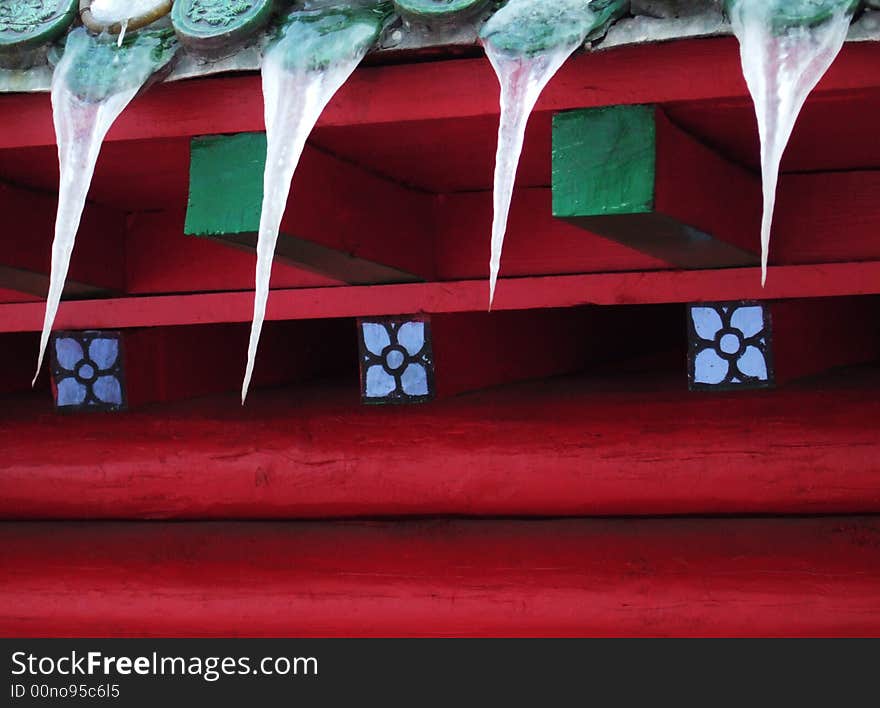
{"x": 325, "y": 35}
{"x": 440, "y": 10}
{"x": 228, "y": 35}
{"x": 26, "y": 24}
{"x": 97, "y": 71}
{"x": 216, "y": 27}
{"x": 530, "y": 27}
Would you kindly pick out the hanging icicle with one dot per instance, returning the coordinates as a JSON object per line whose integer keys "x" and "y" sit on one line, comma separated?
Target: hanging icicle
{"x": 527, "y": 41}
{"x": 786, "y": 46}
{"x": 92, "y": 84}
{"x": 313, "y": 56}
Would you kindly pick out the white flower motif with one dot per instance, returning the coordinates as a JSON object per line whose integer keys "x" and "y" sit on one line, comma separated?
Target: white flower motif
{"x": 729, "y": 346}
{"x": 396, "y": 359}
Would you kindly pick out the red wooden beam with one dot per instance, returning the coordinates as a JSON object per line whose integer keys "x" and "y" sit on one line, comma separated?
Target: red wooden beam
{"x": 27, "y": 282}
{"x": 648, "y": 73}
{"x": 784, "y": 282}
{"x": 178, "y": 363}
{"x": 811, "y": 336}
{"x": 26, "y": 246}
{"x": 161, "y": 259}
{"x": 536, "y": 243}
{"x": 752, "y": 577}
{"x": 18, "y": 356}
{"x": 827, "y": 217}
{"x": 607, "y": 445}
{"x": 629, "y": 174}
{"x": 806, "y": 228}
{"x": 476, "y": 350}
{"x": 372, "y": 225}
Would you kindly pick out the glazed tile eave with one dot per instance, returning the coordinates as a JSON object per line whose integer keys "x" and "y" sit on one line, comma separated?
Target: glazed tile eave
{"x": 648, "y": 21}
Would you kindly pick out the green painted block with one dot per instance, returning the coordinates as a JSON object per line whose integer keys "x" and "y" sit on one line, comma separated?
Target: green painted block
{"x": 604, "y": 161}
{"x": 626, "y": 173}
{"x": 225, "y": 184}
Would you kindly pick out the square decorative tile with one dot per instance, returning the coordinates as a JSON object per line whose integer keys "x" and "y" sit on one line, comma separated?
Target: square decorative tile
{"x": 87, "y": 371}
{"x": 396, "y": 360}
{"x": 729, "y": 346}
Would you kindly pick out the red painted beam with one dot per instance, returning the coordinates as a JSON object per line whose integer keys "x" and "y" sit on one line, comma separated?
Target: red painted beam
{"x": 178, "y": 363}
{"x": 18, "y": 356}
{"x": 826, "y": 216}
{"x": 784, "y": 282}
{"x": 161, "y": 259}
{"x": 536, "y": 242}
{"x": 477, "y": 350}
{"x": 752, "y": 577}
{"x": 597, "y": 446}
{"x": 650, "y": 73}
{"x": 811, "y": 336}
{"x": 26, "y": 245}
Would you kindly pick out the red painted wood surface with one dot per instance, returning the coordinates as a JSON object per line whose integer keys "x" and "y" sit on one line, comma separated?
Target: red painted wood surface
{"x": 27, "y": 239}
{"x": 352, "y": 210}
{"x": 18, "y": 357}
{"x": 476, "y": 350}
{"x": 677, "y": 71}
{"x": 160, "y": 258}
{"x": 826, "y": 217}
{"x": 829, "y": 135}
{"x": 751, "y": 577}
{"x": 178, "y": 363}
{"x": 698, "y": 187}
{"x": 602, "y": 445}
{"x": 536, "y": 243}
{"x": 784, "y": 282}
{"x": 814, "y": 335}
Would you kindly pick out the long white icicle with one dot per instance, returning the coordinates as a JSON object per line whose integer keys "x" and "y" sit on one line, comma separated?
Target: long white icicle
{"x": 294, "y": 99}
{"x": 80, "y": 128}
{"x": 522, "y": 80}
{"x": 781, "y": 68}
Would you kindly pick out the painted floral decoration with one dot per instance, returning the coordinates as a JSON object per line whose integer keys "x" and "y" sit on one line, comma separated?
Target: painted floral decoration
{"x": 729, "y": 346}
{"x": 396, "y": 361}
{"x": 87, "y": 370}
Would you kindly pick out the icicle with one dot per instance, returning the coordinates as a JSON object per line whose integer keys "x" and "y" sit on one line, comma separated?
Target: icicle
{"x": 89, "y": 91}
{"x": 123, "y": 28}
{"x": 522, "y": 81}
{"x": 783, "y": 58}
{"x": 315, "y": 55}
{"x": 527, "y": 42}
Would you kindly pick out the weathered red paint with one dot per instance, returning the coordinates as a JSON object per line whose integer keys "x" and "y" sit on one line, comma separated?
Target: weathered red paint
{"x": 605, "y": 445}
{"x": 751, "y": 577}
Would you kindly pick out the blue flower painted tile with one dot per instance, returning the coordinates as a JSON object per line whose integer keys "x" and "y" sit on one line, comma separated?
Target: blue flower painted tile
{"x": 729, "y": 346}
{"x": 87, "y": 371}
{"x": 397, "y": 363}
